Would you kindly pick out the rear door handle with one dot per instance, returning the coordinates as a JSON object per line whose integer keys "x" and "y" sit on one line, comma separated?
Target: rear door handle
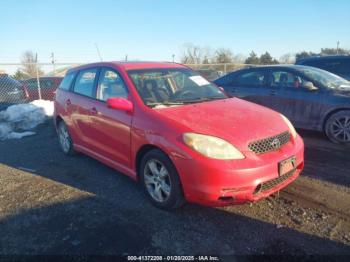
{"x": 93, "y": 111}
{"x": 68, "y": 102}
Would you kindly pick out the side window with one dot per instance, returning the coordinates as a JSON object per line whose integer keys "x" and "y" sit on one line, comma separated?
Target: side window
{"x": 67, "y": 81}
{"x": 315, "y": 63}
{"x": 46, "y": 84}
{"x": 345, "y": 66}
{"x": 32, "y": 84}
{"x": 253, "y": 79}
{"x": 286, "y": 80}
{"x": 338, "y": 66}
{"x": 84, "y": 84}
{"x": 110, "y": 84}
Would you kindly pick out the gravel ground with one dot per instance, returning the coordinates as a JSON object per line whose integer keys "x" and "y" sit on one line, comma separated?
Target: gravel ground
{"x": 54, "y": 204}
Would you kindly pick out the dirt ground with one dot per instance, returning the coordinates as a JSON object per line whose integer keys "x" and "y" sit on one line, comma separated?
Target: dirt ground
{"x": 54, "y": 204}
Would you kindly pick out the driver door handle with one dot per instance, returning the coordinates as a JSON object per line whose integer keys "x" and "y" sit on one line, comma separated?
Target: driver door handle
{"x": 93, "y": 111}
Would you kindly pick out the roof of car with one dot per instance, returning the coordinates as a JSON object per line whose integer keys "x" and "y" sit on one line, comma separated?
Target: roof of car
{"x": 274, "y": 66}
{"x": 323, "y": 57}
{"x": 44, "y": 78}
{"x": 132, "y": 65}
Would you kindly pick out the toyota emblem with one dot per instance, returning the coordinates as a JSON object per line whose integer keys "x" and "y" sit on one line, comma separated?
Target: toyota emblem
{"x": 276, "y": 143}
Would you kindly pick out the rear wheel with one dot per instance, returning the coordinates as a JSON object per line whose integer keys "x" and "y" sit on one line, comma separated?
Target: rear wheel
{"x": 338, "y": 127}
{"x": 160, "y": 180}
{"x": 64, "y": 139}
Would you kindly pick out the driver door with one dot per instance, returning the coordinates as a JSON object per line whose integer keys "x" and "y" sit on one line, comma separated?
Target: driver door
{"x": 302, "y": 106}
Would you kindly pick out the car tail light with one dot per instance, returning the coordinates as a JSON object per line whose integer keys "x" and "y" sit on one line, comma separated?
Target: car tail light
{"x": 25, "y": 90}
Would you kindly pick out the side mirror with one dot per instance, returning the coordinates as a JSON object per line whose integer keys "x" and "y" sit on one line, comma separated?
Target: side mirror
{"x": 224, "y": 91}
{"x": 309, "y": 86}
{"x": 120, "y": 103}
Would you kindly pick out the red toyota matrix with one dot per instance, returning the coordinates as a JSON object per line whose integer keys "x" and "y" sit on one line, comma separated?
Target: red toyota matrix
{"x": 178, "y": 134}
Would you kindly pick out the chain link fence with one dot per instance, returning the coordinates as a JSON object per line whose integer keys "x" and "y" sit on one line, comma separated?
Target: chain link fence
{"x": 221, "y": 68}
{"x": 17, "y": 86}
{"x": 23, "y": 83}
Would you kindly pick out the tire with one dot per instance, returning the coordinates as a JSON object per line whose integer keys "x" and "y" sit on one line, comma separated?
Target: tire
{"x": 337, "y": 127}
{"x": 64, "y": 138}
{"x": 162, "y": 186}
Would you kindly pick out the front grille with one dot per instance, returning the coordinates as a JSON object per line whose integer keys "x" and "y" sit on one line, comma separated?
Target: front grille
{"x": 274, "y": 182}
{"x": 269, "y": 144}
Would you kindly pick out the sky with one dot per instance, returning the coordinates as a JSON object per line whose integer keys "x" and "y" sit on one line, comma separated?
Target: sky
{"x": 157, "y": 29}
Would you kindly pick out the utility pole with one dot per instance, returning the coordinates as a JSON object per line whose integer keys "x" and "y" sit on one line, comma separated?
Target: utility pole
{"x": 126, "y": 58}
{"x": 37, "y": 75}
{"x": 173, "y": 58}
{"x": 53, "y": 63}
{"x": 338, "y": 43}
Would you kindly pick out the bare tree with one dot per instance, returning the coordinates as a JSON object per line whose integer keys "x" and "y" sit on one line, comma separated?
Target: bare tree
{"x": 239, "y": 59}
{"x": 193, "y": 54}
{"x": 29, "y": 65}
{"x": 288, "y": 58}
{"x": 19, "y": 75}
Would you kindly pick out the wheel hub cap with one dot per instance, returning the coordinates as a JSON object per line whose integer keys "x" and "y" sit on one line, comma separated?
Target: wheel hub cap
{"x": 341, "y": 129}
{"x": 157, "y": 180}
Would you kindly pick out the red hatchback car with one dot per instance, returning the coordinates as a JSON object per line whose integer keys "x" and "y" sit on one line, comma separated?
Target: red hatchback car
{"x": 181, "y": 136}
{"x": 48, "y": 86}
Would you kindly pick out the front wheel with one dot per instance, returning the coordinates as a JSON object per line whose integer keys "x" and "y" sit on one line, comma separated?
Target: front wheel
{"x": 338, "y": 127}
{"x": 160, "y": 180}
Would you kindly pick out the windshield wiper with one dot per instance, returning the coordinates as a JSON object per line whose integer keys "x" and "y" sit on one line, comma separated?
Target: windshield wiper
{"x": 153, "y": 104}
{"x": 201, "y": 99}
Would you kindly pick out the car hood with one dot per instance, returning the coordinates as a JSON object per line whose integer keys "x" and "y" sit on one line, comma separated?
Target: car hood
{"x": 237, "y": 121}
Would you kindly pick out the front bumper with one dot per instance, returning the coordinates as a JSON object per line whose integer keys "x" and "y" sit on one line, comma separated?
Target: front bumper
{"x": 213, "y": 182}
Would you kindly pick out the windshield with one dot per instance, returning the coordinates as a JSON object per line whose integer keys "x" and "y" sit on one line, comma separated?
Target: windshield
{"x": 170, "y": 87}
{"x": 325, "y": 78}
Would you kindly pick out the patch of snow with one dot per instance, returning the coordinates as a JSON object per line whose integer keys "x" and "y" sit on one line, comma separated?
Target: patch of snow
{"x": 46, "y": 105}
{"x": 16, "y": 120}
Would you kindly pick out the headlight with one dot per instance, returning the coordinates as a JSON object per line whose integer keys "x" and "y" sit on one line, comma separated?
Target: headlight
{"x": 212, "y": 147}
{"x": 291, "y": 127}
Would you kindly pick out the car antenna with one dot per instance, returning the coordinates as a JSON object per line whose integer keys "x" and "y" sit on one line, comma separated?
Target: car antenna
{"x": 98, "y": 52}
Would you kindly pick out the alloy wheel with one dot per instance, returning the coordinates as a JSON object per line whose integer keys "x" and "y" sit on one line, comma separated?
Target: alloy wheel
{"x": 157, "y": 180}
{"x": 340, "y": 128}
{"x": 64, "y": 138}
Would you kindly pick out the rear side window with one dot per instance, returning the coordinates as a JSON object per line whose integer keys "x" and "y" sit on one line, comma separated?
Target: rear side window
{"x": 67, "y": 81}
{"x": 338, "y": 66}
{"x": 32, "y": 84}
{"x": 85, "y": 83}
{"x": 46, "y": 84}
{"x": 253, "y": 79}
{"x": 315, "y": 63}
{"x": 323, "y": 64}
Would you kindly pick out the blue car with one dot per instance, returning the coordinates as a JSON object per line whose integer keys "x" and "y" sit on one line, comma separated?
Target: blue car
{"x": 11, "y": 92}
{"x": 311, "y": 98}
{"x": 338, "y": 64}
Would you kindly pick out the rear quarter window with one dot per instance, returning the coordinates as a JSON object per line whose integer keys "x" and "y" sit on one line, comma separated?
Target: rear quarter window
{"x": 85, "y": 82}
{"x": 67, "y": 81}
{"x": 251, "y": 79}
